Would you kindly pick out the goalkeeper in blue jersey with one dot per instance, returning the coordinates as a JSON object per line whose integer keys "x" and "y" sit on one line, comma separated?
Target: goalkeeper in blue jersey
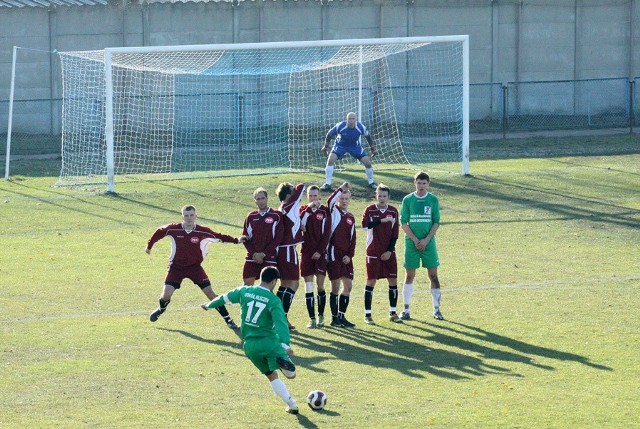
{"x": 264, "y": 330}
{"x": 347, "y": 140}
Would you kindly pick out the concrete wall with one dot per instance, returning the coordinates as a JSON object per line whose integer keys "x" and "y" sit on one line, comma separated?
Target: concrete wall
{"x": 510, "y": 40}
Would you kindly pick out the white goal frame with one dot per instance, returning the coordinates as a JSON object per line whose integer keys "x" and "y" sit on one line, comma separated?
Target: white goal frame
{"x": 109, "y": 52}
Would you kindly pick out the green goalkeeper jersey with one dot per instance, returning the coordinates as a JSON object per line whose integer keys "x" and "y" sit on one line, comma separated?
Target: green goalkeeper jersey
{"x": 262, "y": 313}
{"x": 420, "y": 213}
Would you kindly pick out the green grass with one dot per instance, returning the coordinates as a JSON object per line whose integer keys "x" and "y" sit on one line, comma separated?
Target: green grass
{"x": 541, "y": 289}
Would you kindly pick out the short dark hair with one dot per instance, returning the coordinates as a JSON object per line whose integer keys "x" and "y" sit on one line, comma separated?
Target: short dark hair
{"x": 284, "y": 189}
{"x": 313, "y": 188}
{"x": 421, "y": 176}
{"x": 188, "y": 208}
{"x": 269, "y": 274}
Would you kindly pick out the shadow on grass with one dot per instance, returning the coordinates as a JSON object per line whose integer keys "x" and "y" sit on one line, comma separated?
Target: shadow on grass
{"x": 218, "y": 342}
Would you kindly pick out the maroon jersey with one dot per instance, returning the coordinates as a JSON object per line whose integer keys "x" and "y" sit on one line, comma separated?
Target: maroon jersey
{"x": 317, "y": 229}
{"x": 188, "y": 248}
{"x": 265, "y": 233}
{"x": 343, "y": 228}
{"x": 291, "y": 217}
{"x": 380, "y": 235}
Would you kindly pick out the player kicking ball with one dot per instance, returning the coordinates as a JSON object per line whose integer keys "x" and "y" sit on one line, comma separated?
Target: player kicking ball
{"x": 265, "y": 331}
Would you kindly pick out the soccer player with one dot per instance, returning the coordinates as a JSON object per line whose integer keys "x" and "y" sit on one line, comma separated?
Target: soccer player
{"x": 288, "y": 263}
{"x": 264, "y": 231}
{"x": 420, "y": 219}
{"x": 342, "y": 246}
{"x": 381, "y": 222}
{"x": 316, "y": 226}
{"x": 347, "y": 140}
{"x": 189, "y": 246}
{"x": 264, "y": 331}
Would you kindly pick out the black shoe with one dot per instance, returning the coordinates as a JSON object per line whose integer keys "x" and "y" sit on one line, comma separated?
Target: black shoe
{"x": 326, "y": 188}
{"x": 335, "y": 321}
{"x": 345, "y": 323}
{"x": 287, "y": 367}
{"x": 158, "y": 311}
{"x": 437, "y": 315}
{"x": 232, "y": 325}
{"x": 373, "y": 185}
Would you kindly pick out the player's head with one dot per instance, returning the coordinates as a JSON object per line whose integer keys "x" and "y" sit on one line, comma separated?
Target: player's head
{"x": 421, "y": 181}
{"x": 313, "y": 193}
{"x": 344, "y": 199}
{"x": 189, "y": 214}
{"x": 261, "y": 198}
{"x": 382, "y": 195}
{"x": 284, "y": 190}
{"x": 269, "y": 277}
{"x": 351, "y": 119}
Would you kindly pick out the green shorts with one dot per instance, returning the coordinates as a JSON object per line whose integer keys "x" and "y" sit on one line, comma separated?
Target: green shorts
{"x": 263, "y": 353}
{"x": 413, "y": 257}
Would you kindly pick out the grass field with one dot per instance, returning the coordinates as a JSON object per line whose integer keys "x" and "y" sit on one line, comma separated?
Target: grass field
{"x": 540, "y": 253}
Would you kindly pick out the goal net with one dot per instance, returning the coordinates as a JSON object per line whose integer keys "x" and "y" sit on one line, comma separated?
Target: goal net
{"x": 185, "y": 111}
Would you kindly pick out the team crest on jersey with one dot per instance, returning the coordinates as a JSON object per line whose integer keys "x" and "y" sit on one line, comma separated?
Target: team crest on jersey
{"x": 427, "y": 210}
{"x": 195, "y": 240}
{"x": 349, "y": 221}
{"x": 268, "y": 220}
{"x": 319, "y": 216}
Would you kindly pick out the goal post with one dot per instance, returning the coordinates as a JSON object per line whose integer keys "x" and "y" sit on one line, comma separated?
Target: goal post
{"x": 216, "y": 109}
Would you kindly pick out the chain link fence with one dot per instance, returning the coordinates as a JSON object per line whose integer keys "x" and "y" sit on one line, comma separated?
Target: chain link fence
{"x": 501, "y": 110}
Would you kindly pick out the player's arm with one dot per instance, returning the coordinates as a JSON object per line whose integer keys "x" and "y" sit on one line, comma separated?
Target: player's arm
{"x": 435, "y": 218}
{"x": 247, "y": 233}
{"x": 407, "y": 230}
{"x": 157, "y": 235}
{"x": 280, "y": 323}
{"x": 327, "y": 139}
{"x": 352, "y": 245}
{"x": 278, "y": 236}
{"x": 326, "y": 234}
{"x": 227, "y": 298}
{"x": 371, "y": 145}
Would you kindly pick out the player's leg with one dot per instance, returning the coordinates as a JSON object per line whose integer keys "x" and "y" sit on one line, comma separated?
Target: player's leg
{"x": 169, "y": 288}
{"x": 211, "y": 295}
{"x": 250, "y": 272}
{"x": 331, "y": 160}
{"x": 322, "y": 298}
{"x": 333, "y": 300}
{"x": 260, "y": 353}
{"x": 435, "y": 292}
{"x": 390, "y": 272}
{"x": 289, "y": 277}
{"x": 430, "y": 260}
{"x": 368, "y": 169}
{"x": 368, "y": 299}
{"x": 372, "y": 265}
{"x": 411, "y": 264}
{"x": 343, "y": 304}
{"x": 309, "y": 300}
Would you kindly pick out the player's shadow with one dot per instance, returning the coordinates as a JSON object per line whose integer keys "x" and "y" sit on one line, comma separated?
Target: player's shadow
{"x": 218, "y": 342}
{"x": 381, "y": 350}
{"x": 524, "y": 350}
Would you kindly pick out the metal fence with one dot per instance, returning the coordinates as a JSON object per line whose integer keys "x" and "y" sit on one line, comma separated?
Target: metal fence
{"x": 495, "y": 108}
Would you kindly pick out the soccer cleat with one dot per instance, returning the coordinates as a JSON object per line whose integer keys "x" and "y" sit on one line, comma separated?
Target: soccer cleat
{"x": 287, "y": 367}
{"x": 312, "y": 324}
{"x": 345, "y": 323}
{"x": 326, "y": 188}
{"x": 335, "y": 321}
{"x": 291, "y": 327}
{"x": 395, "y": 318}
{"x": 232, "y": 325}
{"x": 369, "y": 320}
{"x": 158, "y": 311}
{"x": 405, "y": 315}
{"x": 373, "y": 185}
{"x": 437, "y": 315}
{"x": 320, "y": 322}
{"x": 292, "y": 409}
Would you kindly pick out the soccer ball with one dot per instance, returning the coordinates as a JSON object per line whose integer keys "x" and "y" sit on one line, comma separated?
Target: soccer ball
{"x": 317, "y": 399}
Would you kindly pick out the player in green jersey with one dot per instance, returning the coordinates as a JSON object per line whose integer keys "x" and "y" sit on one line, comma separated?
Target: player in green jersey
{"x": 420, "y": 219}
{"x": 264, "y": 330}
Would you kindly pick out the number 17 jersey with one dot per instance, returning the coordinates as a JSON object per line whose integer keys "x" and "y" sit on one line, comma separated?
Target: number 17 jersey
{"x": 262, "y": 313}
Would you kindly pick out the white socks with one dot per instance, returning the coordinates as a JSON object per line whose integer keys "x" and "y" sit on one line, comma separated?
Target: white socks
{"x": 407, "y": 291}
{"x": 328, "y": 173}
{"x": 281, "y": 390}
{"x": 435, "y": 297}
{"x": 369, "y": 172}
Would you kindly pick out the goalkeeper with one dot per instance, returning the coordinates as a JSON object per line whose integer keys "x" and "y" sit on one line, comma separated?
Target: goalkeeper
{"x": 347, "y": 140}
